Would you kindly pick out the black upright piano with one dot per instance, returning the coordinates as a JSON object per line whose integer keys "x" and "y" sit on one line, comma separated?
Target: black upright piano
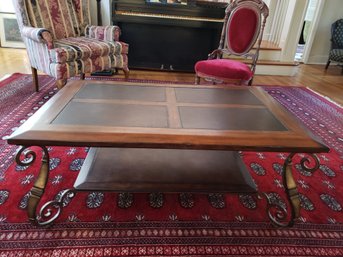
{"x": 168, "y": 34}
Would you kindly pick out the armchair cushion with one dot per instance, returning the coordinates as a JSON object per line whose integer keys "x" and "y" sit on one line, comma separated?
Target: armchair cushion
{"x": 82, "y": 48}
{"x": 68, "y": 69}
{"x": 223, "y": 69}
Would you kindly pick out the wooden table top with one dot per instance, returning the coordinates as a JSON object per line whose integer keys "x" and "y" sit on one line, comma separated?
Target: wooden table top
{"x": 123, "y": 114}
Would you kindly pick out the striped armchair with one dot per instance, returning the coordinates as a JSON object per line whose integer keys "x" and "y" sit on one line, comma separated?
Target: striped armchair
{"x": 61, "y": 43}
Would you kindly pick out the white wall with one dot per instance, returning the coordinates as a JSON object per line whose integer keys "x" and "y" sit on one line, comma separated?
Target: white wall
{"x": 92, "y": 8}
{"x": 106, "y": 10}
{"x": 333, "y": 10}
{"x": 6, "y": 6}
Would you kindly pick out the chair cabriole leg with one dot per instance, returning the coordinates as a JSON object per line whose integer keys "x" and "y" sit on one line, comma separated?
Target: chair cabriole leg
{"x": 197, "y": 80}
{"x": 327, "y": 64}
{"x": 126, "y": 72}
{"x": 35, "y": 79}
{"x": 61, "y": 83}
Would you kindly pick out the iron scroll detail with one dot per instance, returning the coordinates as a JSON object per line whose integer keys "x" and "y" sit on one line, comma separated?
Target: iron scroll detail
{"x": 51, "y": 210}
{"x": 30, "y": 156}
{"x": 38, "y": 188}
{"x": 277, "y": 213}
{"x": 305, "y": 162}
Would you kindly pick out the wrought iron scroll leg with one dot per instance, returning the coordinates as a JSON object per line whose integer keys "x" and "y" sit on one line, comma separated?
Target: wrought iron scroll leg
{"x": 51, "y": 210}
{"x": 291, "y": 189}
{"x": 38, "y": 188}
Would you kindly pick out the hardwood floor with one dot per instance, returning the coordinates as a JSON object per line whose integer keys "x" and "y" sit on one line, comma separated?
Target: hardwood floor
{"x": 328, "y": 83}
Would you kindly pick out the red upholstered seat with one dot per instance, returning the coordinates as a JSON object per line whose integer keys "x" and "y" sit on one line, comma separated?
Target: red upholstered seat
{"x": 222, "y": 69}
{"x": 242, "y": 28}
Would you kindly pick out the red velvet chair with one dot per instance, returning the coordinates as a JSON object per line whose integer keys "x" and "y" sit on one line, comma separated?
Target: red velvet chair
{"x": 243, "y": 26}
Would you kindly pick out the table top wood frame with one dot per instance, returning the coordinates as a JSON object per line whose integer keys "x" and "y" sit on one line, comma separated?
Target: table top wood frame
{"x": 39, "y": 129}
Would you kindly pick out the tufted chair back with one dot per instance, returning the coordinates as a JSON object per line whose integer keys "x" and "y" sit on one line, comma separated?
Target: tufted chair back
{"x": 63, "y": 18}
{"x": 336, "y": 50}
{"x": 337, "y": 34}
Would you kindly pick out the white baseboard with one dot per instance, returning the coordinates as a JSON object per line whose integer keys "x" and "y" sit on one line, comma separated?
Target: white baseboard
{"x": 317, "y": 59}
{"x": 276, "y": 70}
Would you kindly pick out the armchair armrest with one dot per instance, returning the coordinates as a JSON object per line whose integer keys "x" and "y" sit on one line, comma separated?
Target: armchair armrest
{"x": 106, "y": 33}
{"x": 39, "y": 35}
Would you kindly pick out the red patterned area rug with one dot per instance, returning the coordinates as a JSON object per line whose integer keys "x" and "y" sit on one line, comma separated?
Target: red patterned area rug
{"x": 97, "y": 224}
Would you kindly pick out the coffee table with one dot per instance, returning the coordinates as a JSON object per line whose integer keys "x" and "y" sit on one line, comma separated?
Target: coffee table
{"x": 164, "y": 138}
